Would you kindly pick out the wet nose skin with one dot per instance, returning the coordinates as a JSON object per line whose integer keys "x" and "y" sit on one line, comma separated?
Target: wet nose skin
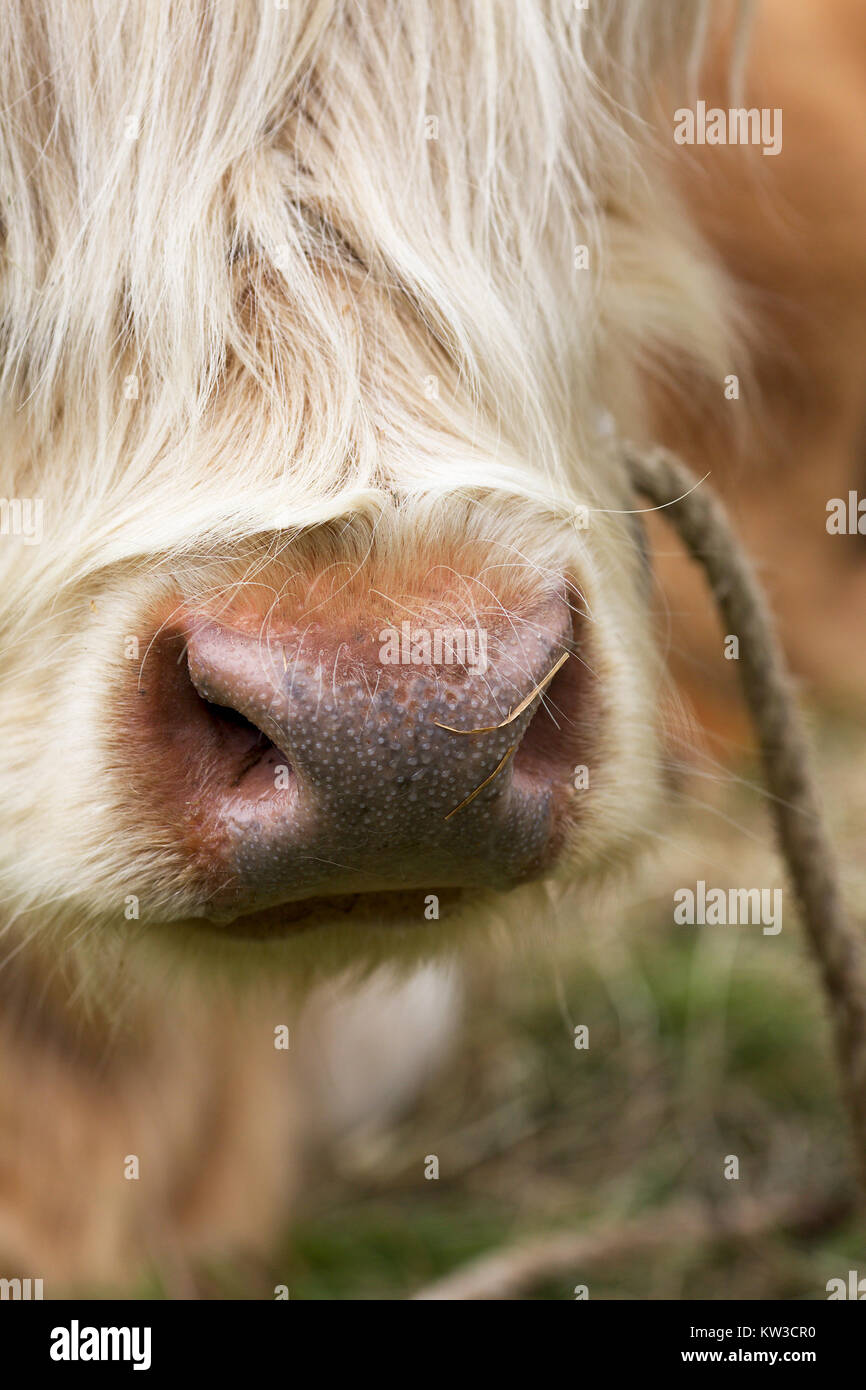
{"x": 374, "y": 775}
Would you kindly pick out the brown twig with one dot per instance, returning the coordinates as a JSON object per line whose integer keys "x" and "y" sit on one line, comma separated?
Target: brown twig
{"x": 511, "y": 1272}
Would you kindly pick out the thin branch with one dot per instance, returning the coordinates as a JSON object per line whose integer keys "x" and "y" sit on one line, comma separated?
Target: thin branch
{"x": 518, "y": 1268}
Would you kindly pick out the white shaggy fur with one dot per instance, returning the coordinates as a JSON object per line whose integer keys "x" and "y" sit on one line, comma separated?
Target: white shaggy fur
{"x": 237, "y": 242}
{"x": 233, "y": 211}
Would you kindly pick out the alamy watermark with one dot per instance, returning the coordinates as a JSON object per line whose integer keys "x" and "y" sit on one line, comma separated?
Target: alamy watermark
{"x": 22, "y": 517}
{"x": 77, "y": 1343}
{"x": 438, "y": 646}
{"x": 852, "y": 1287}
{"x": 737, "y": 126}
{"x": 20, "y": 1289}
{"x": 735, "y": 907}
{"x": 846, "y": 516}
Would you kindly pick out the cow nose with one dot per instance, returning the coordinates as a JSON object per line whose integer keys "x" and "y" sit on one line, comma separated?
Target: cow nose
{"x": 351, "y": 758}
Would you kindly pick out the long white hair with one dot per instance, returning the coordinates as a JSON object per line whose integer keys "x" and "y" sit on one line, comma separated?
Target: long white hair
{"x": 267, "y": 267}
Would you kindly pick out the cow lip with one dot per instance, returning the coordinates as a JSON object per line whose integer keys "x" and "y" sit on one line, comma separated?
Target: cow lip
{"x": 397, "y": 909}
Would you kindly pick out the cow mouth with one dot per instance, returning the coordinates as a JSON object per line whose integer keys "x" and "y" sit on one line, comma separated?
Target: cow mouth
{"x": 397, "y": 910}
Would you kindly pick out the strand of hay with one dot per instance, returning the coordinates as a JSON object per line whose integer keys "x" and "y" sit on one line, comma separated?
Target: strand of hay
{"x": 512, "y": 1272}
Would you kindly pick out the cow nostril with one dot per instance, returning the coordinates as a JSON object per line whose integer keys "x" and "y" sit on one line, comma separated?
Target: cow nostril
{"x": 225, "y": 715}
{"x": 246, "y": 754}
{"x": 546, "y": 751}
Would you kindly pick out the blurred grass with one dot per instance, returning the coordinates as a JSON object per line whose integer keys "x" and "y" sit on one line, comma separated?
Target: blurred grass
{"x": 704, "y": 1042}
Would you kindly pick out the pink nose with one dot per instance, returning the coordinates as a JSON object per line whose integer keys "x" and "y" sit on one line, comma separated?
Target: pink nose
{"x": 326, "y": 761}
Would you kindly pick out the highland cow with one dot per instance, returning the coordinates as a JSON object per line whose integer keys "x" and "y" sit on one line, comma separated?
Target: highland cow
{"x": 316, "y": 319}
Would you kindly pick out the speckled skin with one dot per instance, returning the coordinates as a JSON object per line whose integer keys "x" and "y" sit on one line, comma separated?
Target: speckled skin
{"x": 372, "y": 777}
